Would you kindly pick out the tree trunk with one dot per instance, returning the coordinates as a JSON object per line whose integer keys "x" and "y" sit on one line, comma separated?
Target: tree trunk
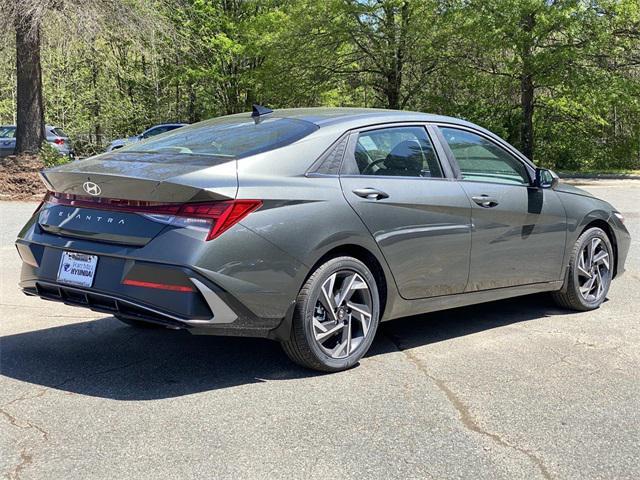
{"x": 30, "y": 111}
{"x": 527, "y": 93}
{"x": 192, "y": 114}
{"x": 95, "y": 108}
{"x": 396, "y": 32}
{"x": 526, "y": 127}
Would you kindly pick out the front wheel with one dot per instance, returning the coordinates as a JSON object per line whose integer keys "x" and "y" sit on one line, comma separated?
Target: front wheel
{"x": 590, "y": 272}
{"x": 336, "y": 316}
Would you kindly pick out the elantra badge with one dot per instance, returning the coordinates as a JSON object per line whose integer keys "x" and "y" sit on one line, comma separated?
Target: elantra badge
{"x": 92, "y": 188}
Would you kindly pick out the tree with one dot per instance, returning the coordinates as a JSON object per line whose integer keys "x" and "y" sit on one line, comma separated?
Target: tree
{"x": 558, "y": 78}
{"x": 26, "y": 17}
{"x": 389, "y": 46}
{"x": 30, "y": 111}
{"x": 547, "y": 47}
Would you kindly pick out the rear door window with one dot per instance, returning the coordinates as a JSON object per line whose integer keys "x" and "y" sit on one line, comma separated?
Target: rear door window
{"x": 397, "y": 152}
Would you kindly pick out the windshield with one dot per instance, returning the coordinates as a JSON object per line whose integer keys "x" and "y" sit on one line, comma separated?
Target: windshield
{"x": 231, "y": 137}
{"x": 7, "y": 132}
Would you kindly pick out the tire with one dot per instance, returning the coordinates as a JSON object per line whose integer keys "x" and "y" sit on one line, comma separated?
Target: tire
{"x": 312, "y": 316}
{"x": 570, "y": 296}
{"x": 137, "y": 323}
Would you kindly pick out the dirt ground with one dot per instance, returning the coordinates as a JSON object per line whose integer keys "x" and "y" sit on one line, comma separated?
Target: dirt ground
{"x": 19, "y": 179}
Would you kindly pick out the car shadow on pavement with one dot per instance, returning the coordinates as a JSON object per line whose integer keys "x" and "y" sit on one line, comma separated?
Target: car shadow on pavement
{"x": 419, "y": 330}
{"x": 105, "y": 358}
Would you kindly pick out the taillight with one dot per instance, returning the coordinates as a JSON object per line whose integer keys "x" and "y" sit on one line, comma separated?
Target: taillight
{"x": 213, "y": 217}
{"x": 59, "y": 141}
{"x": 231, "y": 214}
{"x": 216, "y": 217}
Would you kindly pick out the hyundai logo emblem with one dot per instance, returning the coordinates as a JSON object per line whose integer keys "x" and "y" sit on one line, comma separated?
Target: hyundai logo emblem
{"x": 92, "y": 188}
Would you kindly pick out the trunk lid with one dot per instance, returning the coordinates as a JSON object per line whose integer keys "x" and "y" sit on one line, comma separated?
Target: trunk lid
{"x": 148, "y": 176}
{"x": 104, "y": 183}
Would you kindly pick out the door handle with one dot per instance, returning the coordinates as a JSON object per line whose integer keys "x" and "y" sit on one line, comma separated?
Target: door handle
{"x": 485, "y": 201}
{"x": 370, "y": 193}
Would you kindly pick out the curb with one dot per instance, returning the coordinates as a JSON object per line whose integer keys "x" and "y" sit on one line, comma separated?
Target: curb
{"x": 597, "y": 176}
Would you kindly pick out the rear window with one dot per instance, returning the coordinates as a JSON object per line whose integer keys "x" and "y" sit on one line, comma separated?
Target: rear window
{"x": 59, "y": 132}
{"x": 228, "y": 137}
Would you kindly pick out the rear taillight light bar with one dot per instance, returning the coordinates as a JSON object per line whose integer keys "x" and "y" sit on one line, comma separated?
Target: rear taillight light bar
{"x": 216, "y": 217}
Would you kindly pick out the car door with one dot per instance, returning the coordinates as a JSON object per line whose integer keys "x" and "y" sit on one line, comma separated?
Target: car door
{"x": 418, "y": 215}
{"x": 519, "y": 230}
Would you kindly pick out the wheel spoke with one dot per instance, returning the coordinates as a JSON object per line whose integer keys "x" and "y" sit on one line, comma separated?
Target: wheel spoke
{"x": 601, "y": 258}
{"x": 346, "y": 289}
{"x": 349, "y": 287}
{"x": 322, "y": 326}
{"x": 600, "y": 284}
{"x": 348, "y": 339}
{"x": 338, "y": 349}
{"x": 592, "y": 250}
{"x": 363, "y": 309}
{"x": 327, "y": 299}
{"x": 582, "y": 269}
{"x": 588, "y": 286}
{"x": 361, "y": 312}
{"x": 322, "y": 336}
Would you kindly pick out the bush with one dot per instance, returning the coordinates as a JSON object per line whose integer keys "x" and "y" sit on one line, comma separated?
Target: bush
{"x": 51, "y": 157}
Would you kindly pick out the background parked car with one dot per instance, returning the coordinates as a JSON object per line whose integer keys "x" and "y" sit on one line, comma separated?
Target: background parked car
{"x": 54, "y": 136}
{"x": 150, "y": 132}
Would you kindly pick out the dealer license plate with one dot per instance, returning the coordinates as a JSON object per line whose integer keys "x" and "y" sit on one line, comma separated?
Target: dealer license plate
{"x": 77, "y": 269}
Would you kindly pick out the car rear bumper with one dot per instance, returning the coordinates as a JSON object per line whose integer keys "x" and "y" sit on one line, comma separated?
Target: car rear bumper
{"x": 205, "y": 309}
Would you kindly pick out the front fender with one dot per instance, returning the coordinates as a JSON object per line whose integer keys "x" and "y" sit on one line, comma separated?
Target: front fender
{"x": 583, "y": 211}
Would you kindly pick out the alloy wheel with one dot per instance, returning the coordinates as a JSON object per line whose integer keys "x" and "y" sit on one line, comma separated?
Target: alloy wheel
{"x": 342, "y": 314}
{"x": 593, "y": 270}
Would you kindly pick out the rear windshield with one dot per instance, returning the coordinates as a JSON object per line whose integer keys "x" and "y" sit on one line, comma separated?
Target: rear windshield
{"x": 228, "y": 137}
{"x": 59, "y": 132}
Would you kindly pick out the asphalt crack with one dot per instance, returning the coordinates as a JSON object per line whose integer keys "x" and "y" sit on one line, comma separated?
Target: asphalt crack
{"x": 24, "y": 424}
{"x": 25, "y": 460}
{"x": 466, "y": 417}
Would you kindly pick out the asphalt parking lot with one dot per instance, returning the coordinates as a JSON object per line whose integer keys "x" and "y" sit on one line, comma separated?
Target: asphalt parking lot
{"x": 516, "y": 389}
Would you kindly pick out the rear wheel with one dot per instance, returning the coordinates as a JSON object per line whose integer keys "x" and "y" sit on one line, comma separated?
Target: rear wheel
{"x": 336, "y": 316}
{"x": 590, "y": 271}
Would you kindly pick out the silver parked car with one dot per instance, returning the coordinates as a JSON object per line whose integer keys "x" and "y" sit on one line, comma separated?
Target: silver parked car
{"x": 311, "y": 226}
{"x": 148, "y": 133}
{"x": 54, "y": 136}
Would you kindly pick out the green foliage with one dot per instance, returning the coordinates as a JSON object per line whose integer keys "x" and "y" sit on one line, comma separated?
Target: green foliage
{"x": 465, "y": 58}
{"x": 51, "y": 157}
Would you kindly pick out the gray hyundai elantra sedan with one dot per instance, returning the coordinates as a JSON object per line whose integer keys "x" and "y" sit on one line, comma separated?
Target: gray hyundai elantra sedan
{"x": 311, "y": 226}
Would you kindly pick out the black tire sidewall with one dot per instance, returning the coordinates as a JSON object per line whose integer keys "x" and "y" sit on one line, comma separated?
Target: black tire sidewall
{"x": 328, "y": 269}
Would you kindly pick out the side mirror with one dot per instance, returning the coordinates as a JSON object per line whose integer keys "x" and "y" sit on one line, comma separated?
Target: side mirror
{"x": 546, "y": 178}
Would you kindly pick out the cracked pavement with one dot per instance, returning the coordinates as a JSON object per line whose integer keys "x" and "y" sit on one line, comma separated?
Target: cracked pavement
{"x": 516, "y": 389}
